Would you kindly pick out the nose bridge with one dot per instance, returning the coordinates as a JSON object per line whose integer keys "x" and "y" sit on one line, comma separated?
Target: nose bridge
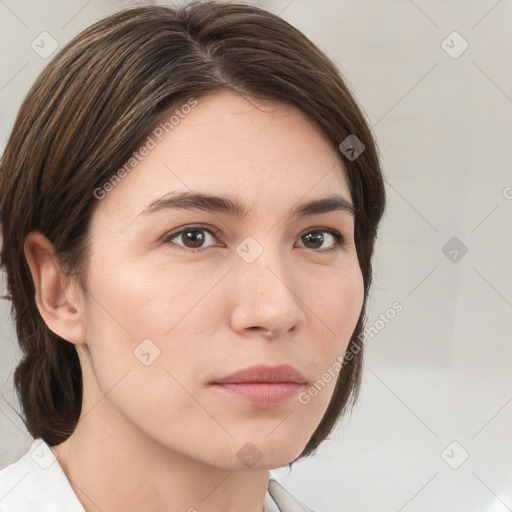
{"x": 264, "y": 289}
{"x": 263, "y": 263}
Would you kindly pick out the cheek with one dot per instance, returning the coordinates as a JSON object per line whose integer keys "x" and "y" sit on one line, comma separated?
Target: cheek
{"x": 142, "y": 301}
{"x": 132, "y": 359}
{"x": 336, "y": 310}
{"x": 143, "y": 323}
{"x": 342, "y": 297}
{"x": 337, "y": 307}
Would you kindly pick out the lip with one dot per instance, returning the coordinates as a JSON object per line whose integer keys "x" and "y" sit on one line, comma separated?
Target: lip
{"x": 264, "y": 374}
{"x": 262, "y": 386}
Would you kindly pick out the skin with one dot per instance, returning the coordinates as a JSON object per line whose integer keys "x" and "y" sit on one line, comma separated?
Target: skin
{"x": 158, "y": 437}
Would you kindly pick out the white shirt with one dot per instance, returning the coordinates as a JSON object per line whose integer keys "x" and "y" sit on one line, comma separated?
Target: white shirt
{"x": 37, "y": 482}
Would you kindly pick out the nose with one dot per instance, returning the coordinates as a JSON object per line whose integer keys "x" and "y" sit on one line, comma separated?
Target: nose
{"x": 264, "y": 299}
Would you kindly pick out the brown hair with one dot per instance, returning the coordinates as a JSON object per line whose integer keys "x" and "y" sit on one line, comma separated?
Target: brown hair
{"x": 88, "y": 111}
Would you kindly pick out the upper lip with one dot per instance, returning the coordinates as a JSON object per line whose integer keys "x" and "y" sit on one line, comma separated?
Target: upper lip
{"x": 264, "y": 373}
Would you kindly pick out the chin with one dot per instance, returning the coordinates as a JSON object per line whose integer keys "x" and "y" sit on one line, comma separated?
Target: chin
{"x": 270, "y": 452}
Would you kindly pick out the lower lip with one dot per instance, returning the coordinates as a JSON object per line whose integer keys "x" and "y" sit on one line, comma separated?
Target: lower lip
{"x": 263, "y": 394}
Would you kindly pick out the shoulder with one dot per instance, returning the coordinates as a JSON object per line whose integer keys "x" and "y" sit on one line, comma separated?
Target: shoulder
{"x": 15, "y": 481}
{"x": 37, "y": 482}
{"x": 284, "y": 500}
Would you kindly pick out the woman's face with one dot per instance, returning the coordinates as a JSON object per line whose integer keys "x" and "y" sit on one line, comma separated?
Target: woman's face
{"x": 180, "y": 297}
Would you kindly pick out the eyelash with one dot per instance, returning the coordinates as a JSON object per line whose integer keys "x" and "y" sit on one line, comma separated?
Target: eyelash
{"x": 340, "y": 241}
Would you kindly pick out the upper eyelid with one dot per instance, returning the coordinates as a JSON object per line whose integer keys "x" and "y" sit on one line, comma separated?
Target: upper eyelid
{"x": 179, "y": 231}
{"x": 215, "y": 230}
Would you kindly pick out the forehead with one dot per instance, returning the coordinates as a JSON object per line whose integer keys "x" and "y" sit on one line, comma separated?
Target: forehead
{"x": 260, "y": 150}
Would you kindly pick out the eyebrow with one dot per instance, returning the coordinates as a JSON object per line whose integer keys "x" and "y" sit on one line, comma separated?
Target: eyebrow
{"x": 234, "y": 207}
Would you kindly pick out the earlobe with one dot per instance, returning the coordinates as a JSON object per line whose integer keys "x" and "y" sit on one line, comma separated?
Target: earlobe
{"x": 54, "y": 298}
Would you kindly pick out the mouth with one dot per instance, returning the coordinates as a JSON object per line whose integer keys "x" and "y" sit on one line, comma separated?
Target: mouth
{"x": 262, "y": 386}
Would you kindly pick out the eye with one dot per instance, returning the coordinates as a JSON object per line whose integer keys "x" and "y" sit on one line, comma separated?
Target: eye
{"x": 315, "y": 238}
{"x": 193, "y": 237}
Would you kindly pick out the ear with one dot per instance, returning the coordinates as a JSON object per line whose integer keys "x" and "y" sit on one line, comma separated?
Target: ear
{"x": 56, "y": 300}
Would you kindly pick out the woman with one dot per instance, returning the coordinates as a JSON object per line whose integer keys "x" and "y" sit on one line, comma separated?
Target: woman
{"x": 189, "y": 202}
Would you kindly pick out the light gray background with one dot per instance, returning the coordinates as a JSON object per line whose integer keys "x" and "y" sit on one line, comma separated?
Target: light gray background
{"x": 440, "y": 371}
